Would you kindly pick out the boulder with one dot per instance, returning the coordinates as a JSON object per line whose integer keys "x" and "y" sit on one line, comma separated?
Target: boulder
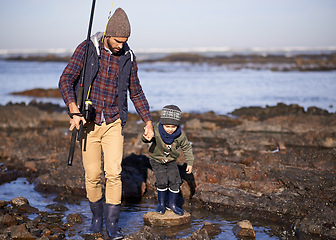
{"x": 19, "y": 201}
{"x": 21, "y": 232}
{"x": 244, "y": 229}
{"x": 167, "y": 219}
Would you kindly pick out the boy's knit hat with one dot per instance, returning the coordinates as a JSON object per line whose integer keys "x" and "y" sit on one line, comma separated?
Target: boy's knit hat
{"x": 170, "y": 115}
{"x": 118, "y": 25}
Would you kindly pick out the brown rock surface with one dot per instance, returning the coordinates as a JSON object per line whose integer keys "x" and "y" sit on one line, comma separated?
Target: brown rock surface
{"x": 167, "y": 219}
{"x": 275, "y": 164}
{"x": 244, "y": 229}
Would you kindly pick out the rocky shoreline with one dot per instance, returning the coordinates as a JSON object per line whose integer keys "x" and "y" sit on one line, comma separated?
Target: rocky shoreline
{"x": 274, "y": 164}
{"x": 273, "y": 62}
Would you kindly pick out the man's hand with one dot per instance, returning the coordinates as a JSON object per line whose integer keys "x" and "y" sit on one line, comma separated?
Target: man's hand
{"x": 75, "y": 121}
{"x": 189, "y": 169}
{"x": 149, "y": 131}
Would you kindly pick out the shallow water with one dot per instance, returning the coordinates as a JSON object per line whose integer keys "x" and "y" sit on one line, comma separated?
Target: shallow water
{"x": 131, "y": 215}
{"x": 194, "y": 88}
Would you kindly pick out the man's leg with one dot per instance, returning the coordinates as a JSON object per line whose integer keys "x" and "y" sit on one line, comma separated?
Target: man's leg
{"x": 91, "y": 153}
{"x": 112, "y": 143}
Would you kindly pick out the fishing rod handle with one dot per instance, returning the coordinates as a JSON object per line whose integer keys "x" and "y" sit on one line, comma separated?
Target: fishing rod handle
{"x": 72, "y": 146}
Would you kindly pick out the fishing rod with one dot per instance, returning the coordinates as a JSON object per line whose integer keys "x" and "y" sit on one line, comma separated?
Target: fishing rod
{"x": 80, "y": 90}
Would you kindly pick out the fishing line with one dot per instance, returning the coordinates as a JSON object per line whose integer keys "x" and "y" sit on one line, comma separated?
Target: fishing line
{"x": 108, "y": 18}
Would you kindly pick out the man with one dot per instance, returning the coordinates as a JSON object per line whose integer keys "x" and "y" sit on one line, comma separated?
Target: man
{"x": 111, "y": 72}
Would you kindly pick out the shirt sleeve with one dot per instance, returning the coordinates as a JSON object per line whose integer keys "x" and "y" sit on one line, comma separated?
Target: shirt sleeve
{"x": 71, "y": 74}
{"x": 137, "y": 95}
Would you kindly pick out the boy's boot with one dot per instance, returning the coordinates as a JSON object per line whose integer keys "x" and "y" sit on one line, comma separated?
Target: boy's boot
{"x": 112, "y": 213}
{"x": 161, "y": 208}
{"x": 172, "y": 203}
{"x": 97, "y": 210}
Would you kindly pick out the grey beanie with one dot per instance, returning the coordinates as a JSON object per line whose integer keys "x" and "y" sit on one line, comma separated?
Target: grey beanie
{"x": 118, "y": 25}
{"x": 170, "y": 115}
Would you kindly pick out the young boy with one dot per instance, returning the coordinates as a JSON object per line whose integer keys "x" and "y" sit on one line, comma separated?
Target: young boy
{"x": 163, "y": 152}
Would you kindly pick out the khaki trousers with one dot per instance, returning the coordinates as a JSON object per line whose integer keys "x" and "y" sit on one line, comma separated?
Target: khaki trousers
{"x": 109, "y": 140}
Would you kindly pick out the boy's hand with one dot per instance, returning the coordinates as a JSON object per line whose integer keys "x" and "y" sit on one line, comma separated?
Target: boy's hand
{"x": 189, "y": 169}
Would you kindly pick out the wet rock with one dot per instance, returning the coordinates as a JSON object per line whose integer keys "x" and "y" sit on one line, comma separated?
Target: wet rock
{"x": 306, "y": 227}
{"x": 3, "y": 203}
{"x": 67, "y": 198}
{"x": 57, "y": 207}
{"x": 75, "y": 218}
{"x": 244, "y": 229}
{"x": 93, "y": 236}
{"x": 21, "y": 232}
{"x": 144, "y": 233}
{"x": 19, "y": 201}
{"x": 7, "y": 220}
{"x": 73, "y": 184}
{"x": 31, "y": 165}
{"x": 26, "y": 208}
{"x": 211, "y": 229}
{"x": 7, "y": 175}
{"x": 51, "y": 218}
{"x": 169, "y": 218}
{"x": 200, "y": 234}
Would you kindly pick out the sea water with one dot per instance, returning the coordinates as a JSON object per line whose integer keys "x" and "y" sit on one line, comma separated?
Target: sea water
{"x": 193, "y": 87}
{"x": 131, "y": 216}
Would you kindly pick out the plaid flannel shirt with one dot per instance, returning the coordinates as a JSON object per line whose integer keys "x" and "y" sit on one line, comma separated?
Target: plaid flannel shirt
{"x": 104, "y": 91}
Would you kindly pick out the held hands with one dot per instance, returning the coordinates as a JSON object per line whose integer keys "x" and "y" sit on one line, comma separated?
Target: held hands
{"x": 189, "y": 169}
{"x": 149, "y": 132}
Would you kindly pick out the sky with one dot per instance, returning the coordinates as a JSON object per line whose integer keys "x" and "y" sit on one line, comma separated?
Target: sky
{"x": 173, "y": 24}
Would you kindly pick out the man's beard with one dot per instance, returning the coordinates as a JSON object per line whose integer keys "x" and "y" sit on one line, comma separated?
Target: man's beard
{"x": 115, "y": 51}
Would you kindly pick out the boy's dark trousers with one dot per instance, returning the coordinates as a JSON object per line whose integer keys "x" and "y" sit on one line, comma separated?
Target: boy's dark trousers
{"x": 168, "y": 181}
{"x": 167, "y": 175}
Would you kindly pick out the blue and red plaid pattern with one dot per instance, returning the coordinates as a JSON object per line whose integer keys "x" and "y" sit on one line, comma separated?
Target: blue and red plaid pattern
{"x": 104, "y": 91}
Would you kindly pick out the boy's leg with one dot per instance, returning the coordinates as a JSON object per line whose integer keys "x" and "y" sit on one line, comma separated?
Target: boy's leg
{"x": 160, "y": 173}
{"x": 161, "y": 184}
{"x": 174, "y": 186}
{"x": 174, "y": 177}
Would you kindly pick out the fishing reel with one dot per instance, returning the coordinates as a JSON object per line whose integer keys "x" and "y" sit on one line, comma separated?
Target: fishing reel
{"x": 89, "y": 111}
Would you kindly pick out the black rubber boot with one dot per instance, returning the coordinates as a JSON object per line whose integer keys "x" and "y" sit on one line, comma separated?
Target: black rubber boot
{"x": 172, "y": 203}
{"x": 112, "y": 213}
{"x": 97, "y": 210}
{"x": 161, "y": 208}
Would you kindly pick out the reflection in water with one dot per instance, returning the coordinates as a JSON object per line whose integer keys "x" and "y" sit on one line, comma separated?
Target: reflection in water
{"x": 131, "y": 216}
